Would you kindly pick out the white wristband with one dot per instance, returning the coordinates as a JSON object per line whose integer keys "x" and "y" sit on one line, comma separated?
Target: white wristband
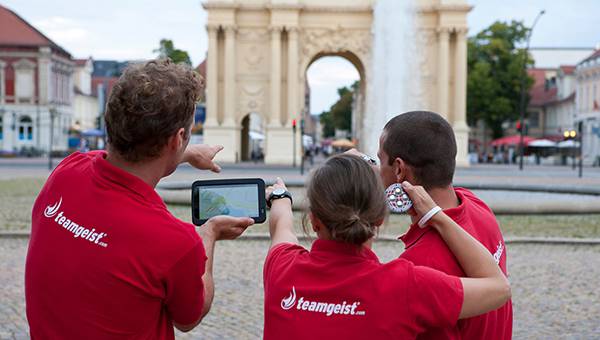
{"x": 423, "y": 221}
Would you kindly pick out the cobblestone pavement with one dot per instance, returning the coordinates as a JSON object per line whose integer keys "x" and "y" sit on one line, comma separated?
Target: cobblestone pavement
{"x": 555, "y": 290}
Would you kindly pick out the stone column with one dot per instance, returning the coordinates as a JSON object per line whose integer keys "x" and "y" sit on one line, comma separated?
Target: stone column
{"x": 2, "y": 82}
{"x": 230, "y": 72}
{"x": 460, "y": 81}
{"x": 275, "y": 117}
{"x": 212, "y": 78}
{"x": 45, "y": 76}
{"x": 442, "y": 84}
{"x": 459, "y": 121}
{"x": 292, "y": 81}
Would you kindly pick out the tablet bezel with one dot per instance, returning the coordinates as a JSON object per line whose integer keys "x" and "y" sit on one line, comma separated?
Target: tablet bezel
{"x": 262, "y": 203}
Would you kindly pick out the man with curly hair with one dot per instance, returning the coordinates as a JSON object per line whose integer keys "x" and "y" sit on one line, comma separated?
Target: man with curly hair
{"x": 106, "y": 259}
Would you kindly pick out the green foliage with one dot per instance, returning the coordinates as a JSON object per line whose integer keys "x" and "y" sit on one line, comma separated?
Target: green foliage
{"x": 327, "y": 123}
{"x": 167, "y": 50}
{"x": 339, "y": 115}
{"x": 495, "y": 68}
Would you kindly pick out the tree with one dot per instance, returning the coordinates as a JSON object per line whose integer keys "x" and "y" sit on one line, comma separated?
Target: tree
{"x": 327, "y": 124}
{"x": 341, "y": 111}
{"x": 495, "y": 67}
{"x": 167, "y": 50}
{"x": 339, "y": 116}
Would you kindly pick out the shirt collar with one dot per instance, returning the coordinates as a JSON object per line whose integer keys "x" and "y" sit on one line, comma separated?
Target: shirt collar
{"x": 127, "y": 181}
{"x": 332, "y": 248}
{"x": 415, "y": 232}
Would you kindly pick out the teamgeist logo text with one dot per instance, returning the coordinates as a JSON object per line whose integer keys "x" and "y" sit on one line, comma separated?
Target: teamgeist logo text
{"x": 328, "y": 309}
{"x": 76, "y": 229}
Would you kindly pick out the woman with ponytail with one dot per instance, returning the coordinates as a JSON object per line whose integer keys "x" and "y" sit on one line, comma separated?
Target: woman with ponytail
{"x": 340, "y": 290}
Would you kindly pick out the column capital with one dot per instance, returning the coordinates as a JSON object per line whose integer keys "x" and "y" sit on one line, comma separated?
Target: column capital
{"x": 230, "y": 29}
{"x": 275, "y": 29}
{"x": 461, "y": 32}
{"x": 292, "y": 29}
{"x": 212, "y": 28}
{"x": 443, "y": 31}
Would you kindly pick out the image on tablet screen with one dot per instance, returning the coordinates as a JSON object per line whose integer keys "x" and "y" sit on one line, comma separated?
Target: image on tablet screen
{"x": 233, "y": 200}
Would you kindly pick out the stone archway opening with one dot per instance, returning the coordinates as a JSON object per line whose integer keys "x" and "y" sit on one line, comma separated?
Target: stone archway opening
{"x": 252, "y": 138}
{"x": 335, "y": 86}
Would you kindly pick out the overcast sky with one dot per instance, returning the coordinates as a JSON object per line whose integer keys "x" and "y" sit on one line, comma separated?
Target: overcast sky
{"x": 123, "y": 30}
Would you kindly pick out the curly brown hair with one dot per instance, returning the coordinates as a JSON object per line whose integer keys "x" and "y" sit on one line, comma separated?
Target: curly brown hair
{"x": 149, "y": 103}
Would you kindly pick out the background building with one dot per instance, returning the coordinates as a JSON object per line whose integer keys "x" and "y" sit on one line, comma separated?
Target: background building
{"x": 36, "y": 88}
{"x": 85, "y": 102}
{"x": 588, "y": 106}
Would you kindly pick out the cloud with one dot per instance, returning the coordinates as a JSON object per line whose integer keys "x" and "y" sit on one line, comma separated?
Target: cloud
{"x": 62, "y": 30}
{"x": 330, "y": 71}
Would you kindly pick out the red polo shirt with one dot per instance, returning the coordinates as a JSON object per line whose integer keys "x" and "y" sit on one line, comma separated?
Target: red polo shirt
{"x": 106, "y": 259}
{"x": 425, "y": 247}
{"x": 340, "y": 291}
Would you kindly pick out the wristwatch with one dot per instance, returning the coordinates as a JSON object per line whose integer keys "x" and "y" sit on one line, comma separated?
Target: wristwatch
{"x": 369, "y": 159}
{"x": 277, "y": 194}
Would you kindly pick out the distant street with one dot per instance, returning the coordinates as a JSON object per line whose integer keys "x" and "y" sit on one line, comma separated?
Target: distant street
{"x": 496, "y": 174}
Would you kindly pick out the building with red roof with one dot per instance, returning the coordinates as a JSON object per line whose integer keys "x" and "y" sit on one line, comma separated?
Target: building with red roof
{"x": 36, "y": 87}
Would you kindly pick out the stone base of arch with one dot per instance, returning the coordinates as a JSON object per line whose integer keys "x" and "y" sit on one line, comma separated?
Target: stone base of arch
{"x": 279, "y": 145}
{"x": 461, "y": 133}
{"x": 229, "y": 137}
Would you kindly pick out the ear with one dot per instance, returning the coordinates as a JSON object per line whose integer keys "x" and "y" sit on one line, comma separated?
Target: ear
{"x": 176, "y": 141}
{"x": 315, "y": 222}
{"x": 401, "y": 170}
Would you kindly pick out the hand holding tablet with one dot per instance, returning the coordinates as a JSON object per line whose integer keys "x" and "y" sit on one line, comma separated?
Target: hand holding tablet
{"x": 230, "y": 197}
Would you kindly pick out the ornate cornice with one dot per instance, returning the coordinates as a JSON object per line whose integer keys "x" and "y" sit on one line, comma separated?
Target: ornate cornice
{"x": 219, "y": 5}
{"x": 445, "y": 8}
{"x": 286, "y": 7}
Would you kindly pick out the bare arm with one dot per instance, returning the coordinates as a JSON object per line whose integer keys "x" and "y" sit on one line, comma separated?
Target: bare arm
{"x": 217, "y": 228}
{"x": 281, "y": 218}
{"x": 201, "y": 156}
{"x": 486, "y": 287}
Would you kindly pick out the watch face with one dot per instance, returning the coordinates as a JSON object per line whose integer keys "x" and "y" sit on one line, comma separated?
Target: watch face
{"x": 278, "y": 191}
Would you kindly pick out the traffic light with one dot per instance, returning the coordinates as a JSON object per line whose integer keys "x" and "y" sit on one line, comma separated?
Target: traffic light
{"x": 519, "y": 125}
{"x": 294, "y": 123}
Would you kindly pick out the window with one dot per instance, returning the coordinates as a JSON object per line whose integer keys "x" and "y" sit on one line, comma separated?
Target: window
{"x": 534, "y": 119}
{"x": 25, "y": 129}
{"x": 24, "y": 80}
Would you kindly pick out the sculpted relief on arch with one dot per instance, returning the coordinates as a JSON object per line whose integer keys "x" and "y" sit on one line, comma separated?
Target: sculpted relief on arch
{"x": 334, "y": 40}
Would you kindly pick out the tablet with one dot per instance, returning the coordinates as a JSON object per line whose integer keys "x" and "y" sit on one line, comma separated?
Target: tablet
{"x": 232, "y": 197}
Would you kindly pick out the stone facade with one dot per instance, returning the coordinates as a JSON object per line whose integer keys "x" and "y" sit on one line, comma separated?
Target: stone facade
{"x": 259, "y": 51}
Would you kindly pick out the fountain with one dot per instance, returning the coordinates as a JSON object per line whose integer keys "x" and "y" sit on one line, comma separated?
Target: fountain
{"x": 395, "y": 82}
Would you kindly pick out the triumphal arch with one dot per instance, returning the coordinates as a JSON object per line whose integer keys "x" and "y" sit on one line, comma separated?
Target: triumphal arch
{"x": 259, "y": 51}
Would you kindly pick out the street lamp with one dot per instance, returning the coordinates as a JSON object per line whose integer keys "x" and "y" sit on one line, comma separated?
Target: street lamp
{"x": 523, "y": 78}
{"x": 52, "y": 115}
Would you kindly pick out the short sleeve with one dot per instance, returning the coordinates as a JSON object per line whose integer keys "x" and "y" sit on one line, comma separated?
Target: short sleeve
{"x": 279, "y": 257}
{"x": 436, "y": 298}
{"x": 185, "y": 288}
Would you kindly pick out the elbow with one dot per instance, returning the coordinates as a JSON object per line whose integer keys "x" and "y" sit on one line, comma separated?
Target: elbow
{"x": 506, "y": 291}
{"x": 187, "y": 328}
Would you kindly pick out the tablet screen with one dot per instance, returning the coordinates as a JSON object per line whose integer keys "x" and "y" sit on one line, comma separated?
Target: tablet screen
{"x": 240, "y": 200}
